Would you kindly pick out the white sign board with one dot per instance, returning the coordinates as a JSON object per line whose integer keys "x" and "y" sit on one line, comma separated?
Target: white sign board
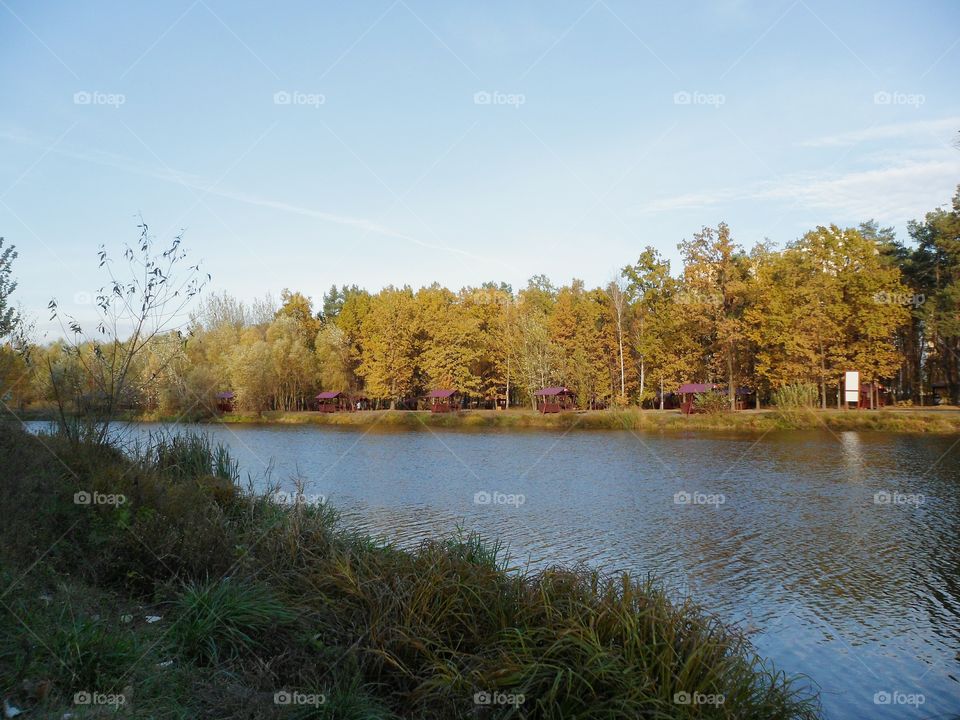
{"x": 851, "y": 386}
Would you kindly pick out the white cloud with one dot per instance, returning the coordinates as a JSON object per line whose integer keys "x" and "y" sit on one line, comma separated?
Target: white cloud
{"x": 945, "y": 128}
{"x": 892, "y": 194}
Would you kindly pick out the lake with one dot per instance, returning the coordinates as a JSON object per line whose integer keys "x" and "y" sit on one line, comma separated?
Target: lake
{"x": 839, "y": 554}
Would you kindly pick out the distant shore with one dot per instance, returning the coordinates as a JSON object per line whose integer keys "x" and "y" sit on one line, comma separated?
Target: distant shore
{"x": 927, "y": 420}
{"x": 937, "y": 420}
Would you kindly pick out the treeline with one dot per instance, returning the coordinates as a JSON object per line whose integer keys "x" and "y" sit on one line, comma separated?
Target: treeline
{"x": 834, "y": 300}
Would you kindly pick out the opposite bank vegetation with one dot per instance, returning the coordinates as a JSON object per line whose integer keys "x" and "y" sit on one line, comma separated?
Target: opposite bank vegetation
{"x": 148, "y": 583}
{"x": 901, "y": 421}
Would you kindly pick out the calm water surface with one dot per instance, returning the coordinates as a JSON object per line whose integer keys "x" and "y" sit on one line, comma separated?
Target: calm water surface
{"x": 829, "y": 579}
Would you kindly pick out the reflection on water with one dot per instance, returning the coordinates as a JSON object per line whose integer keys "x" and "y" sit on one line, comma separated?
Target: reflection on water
{"x": 822, "y": 548}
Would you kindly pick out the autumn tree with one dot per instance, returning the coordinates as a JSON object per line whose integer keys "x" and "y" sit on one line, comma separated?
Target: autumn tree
{"x": 299, "y": 308}
{"x": 388, "y": 347}
{"x": 935, "y": 282}
{"x": 715, "y": 277}
{"x": 618, "y": 304}
{"x": 652, "y": 292}
{"x": 530, "y": 336}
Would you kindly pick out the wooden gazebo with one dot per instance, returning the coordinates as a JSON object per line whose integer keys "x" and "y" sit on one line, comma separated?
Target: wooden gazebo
{"x": 554, "y": 399}
{"x": 880, "y": 394}
{"x": 688, "y": 391}
{"x": 333, "y": 401}
{"x": 443, "y": 400}
{"x": 225, "y": 401}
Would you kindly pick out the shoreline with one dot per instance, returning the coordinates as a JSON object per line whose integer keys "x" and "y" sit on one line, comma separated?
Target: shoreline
{"x": 942, "y": 420}
{"x": 936, "y": 421}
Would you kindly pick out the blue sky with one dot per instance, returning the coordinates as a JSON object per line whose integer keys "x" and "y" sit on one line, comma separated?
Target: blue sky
{"x": 301, "y": 144}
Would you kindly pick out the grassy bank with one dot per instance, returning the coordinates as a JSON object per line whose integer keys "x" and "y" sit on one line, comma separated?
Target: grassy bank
{"x": 941, "y": 420}
{"x": 174, "y": 594}
{"x": 944, "y": 421}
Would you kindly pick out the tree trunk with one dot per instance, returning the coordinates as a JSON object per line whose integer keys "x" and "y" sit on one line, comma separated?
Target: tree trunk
{"x": 730, "y": 389}
{"x": 507, "y": 401}
{"x": 661, "y": 392}
{"x": 823, "y": 373}
{"x": 623, "y": 385}
{"x": 643, "y": 375}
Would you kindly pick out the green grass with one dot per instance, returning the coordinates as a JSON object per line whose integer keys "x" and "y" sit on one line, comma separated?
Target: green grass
{"x": 257, "y": 599}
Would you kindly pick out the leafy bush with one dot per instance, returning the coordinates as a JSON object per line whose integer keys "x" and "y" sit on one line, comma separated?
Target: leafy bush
{"x": 711, "y": 403}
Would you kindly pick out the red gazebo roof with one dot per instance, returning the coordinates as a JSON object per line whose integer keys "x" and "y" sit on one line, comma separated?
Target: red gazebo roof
{"x": 696, "y": 387}
{"x": 551, "y": 391}
{"x": 441, "y": 393}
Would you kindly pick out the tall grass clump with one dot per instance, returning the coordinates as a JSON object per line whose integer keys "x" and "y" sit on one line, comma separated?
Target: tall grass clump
{"x": 190, "y": 456}
{"x": 218, "y": 620}
{"x": 797, "y": 396}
